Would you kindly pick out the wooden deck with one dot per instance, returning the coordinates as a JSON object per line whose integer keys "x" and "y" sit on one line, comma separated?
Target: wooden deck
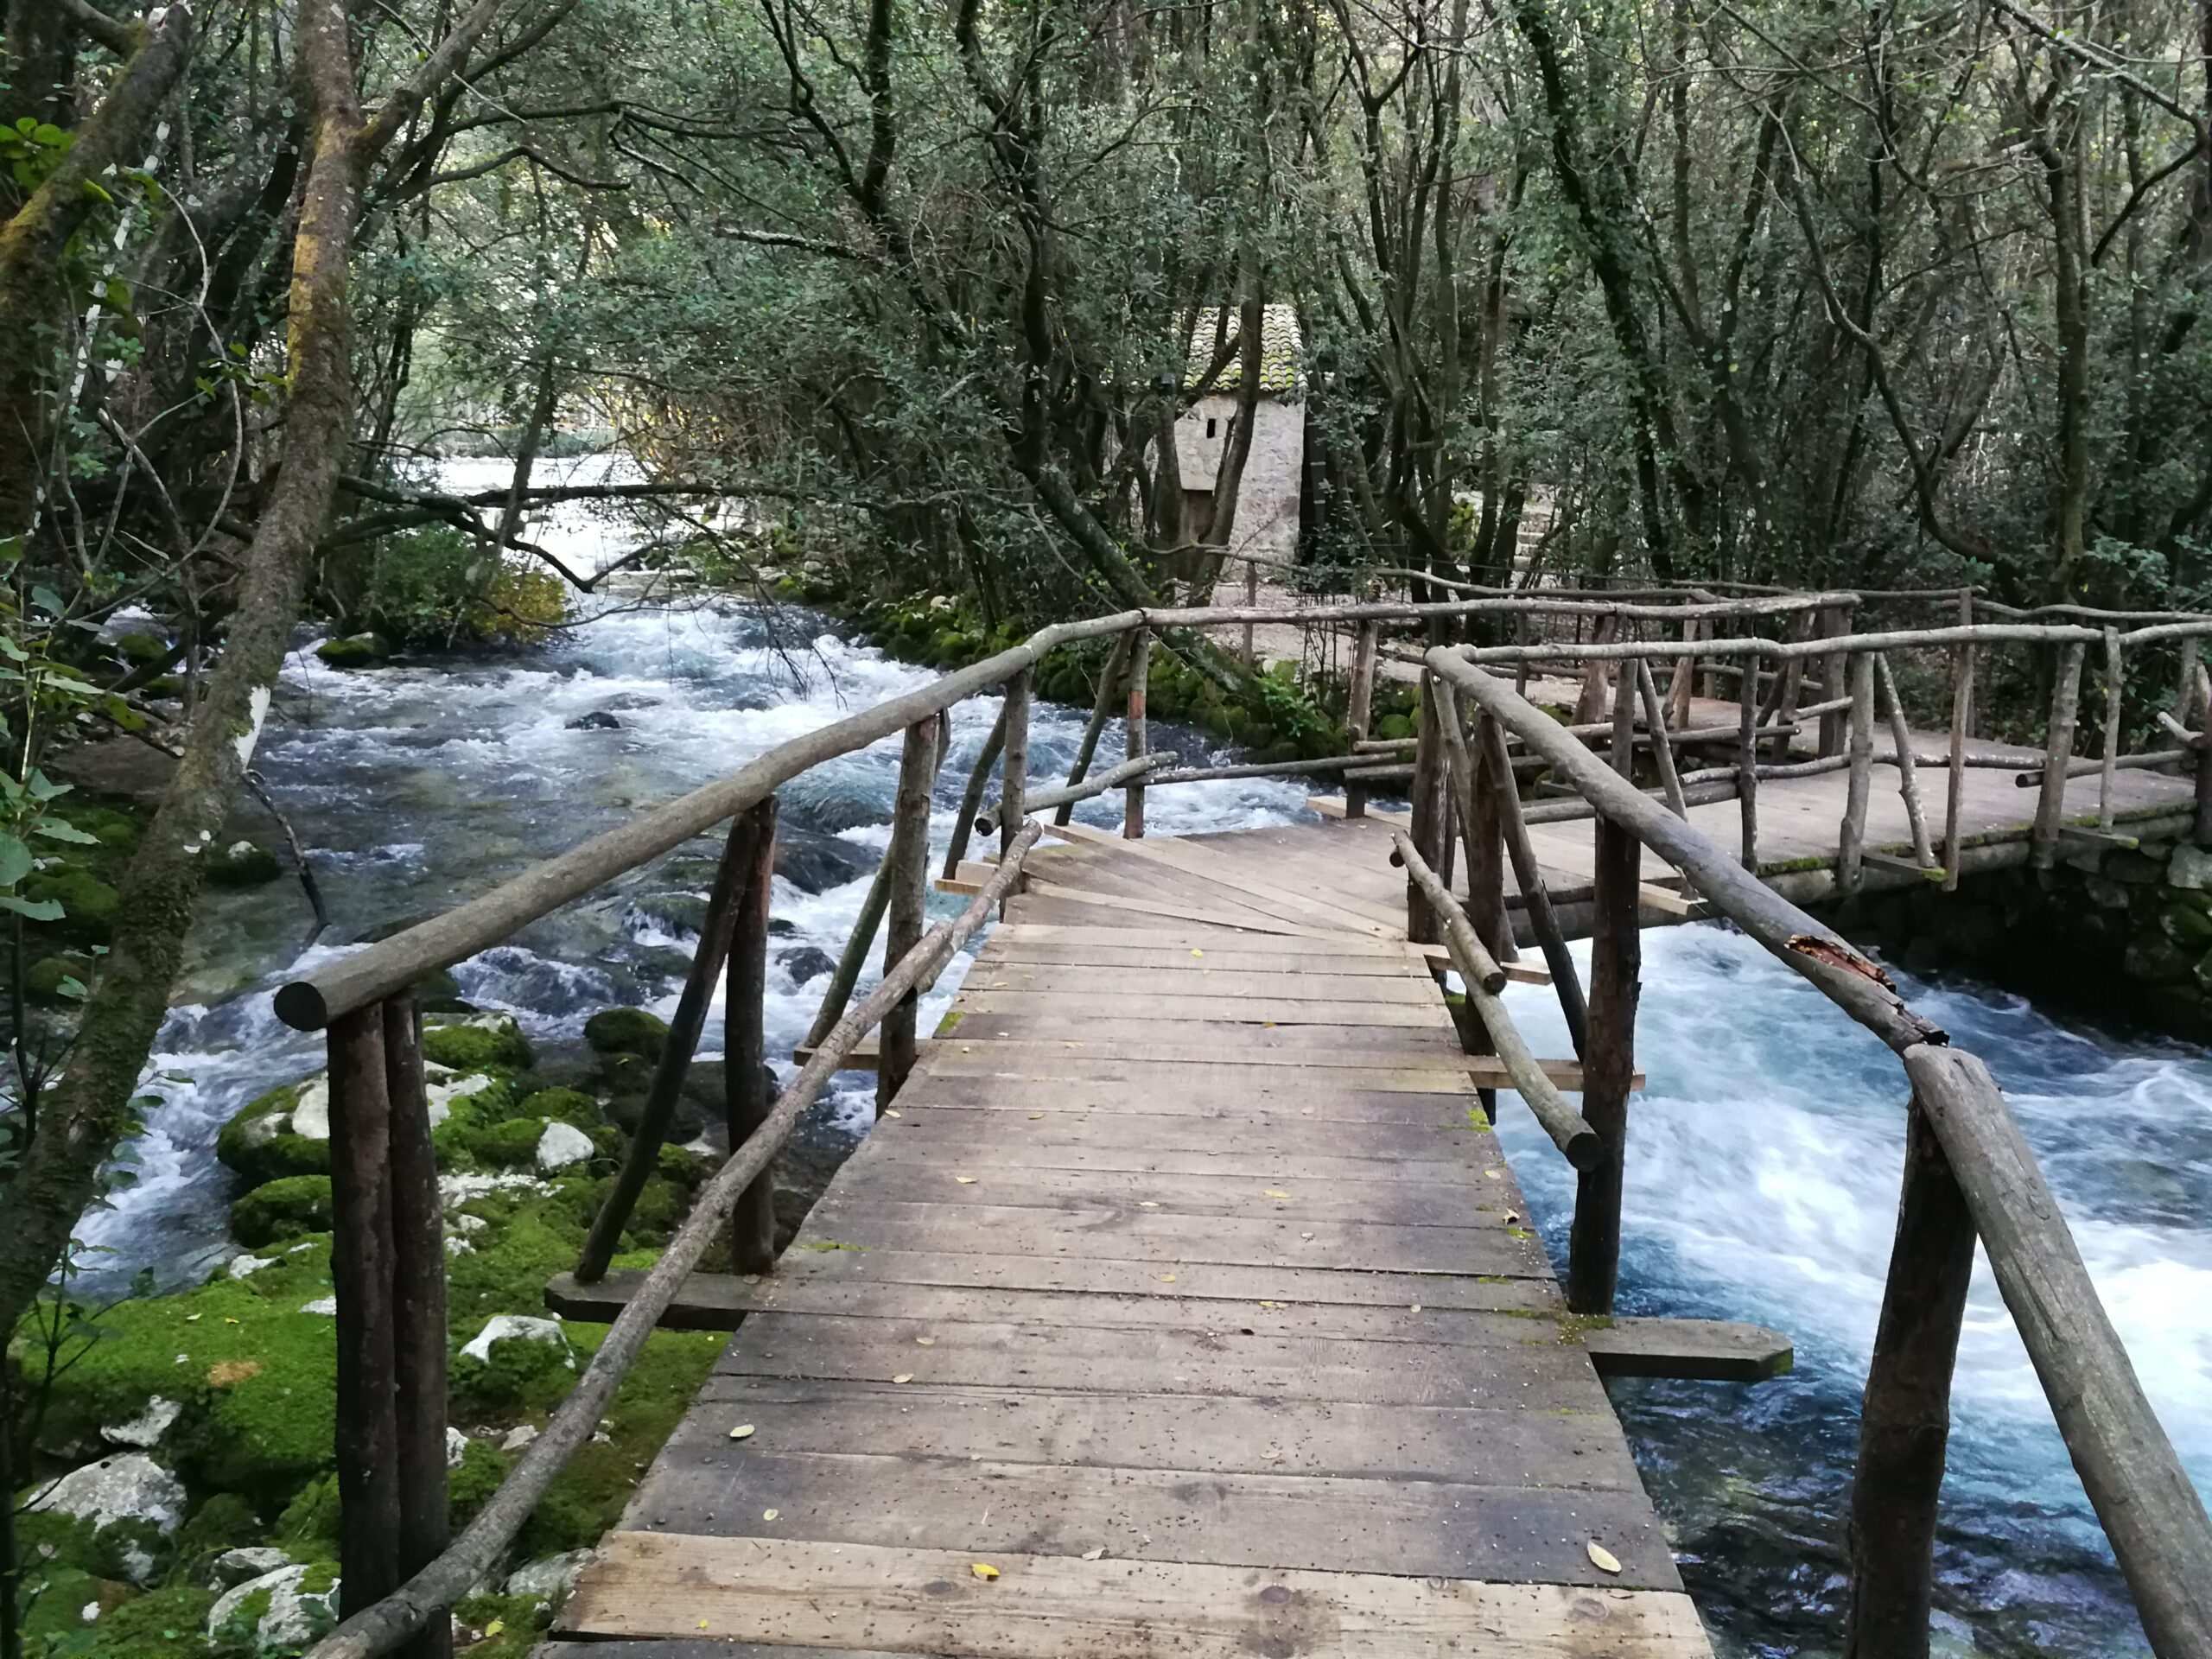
{"x": 1182, "y": 1305}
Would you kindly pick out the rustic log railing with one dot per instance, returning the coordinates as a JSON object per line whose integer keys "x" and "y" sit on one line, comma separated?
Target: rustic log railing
{"x": 1969, "y": 1173}
{"x": 388, "y": 1259}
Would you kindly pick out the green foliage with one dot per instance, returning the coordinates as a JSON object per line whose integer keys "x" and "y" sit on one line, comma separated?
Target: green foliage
{"x": 470, "y": 1046}
{"x": 437, "y": 586}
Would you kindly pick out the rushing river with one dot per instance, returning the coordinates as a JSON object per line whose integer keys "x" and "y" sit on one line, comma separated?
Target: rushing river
{"x": 1763, "y": 1162}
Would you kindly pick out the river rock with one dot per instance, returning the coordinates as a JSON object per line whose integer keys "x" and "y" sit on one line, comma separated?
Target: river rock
{"x": 597, "y": 721}
{"x": 806, "y": 964}
{"x": 519, "y": 1327}
{"x": 129, "y": 1491}
{"x": 817, "y": 863}
{"x": 235, "y": 1567}
{"x": 562, "y": 1146}
{"x": 456, "y": 1448}
{"x": 354, "y": 650}
{"x": 296, "y": 1609}
{"x": 243, "y": 864}
{"x": 551, "y": 1579}
{"x": 146, "y": 1429}
{"x": 2190, "y": 867}
{"x": 626, "y": 1031}
{"x": 281, "y": 1133}
{"x": 482, "y": 1042}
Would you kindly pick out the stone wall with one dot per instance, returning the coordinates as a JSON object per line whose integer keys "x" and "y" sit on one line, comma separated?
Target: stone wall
{"x": 2119, "y": 933}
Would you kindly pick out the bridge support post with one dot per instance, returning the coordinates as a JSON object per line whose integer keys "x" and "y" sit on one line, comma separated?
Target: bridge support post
{"x": 748, "y": 1086}
{"x": 1851, "y": 836}
{"x": 1904, "y": 1424}
{"x": 2058, "y": 755}
{"x": 1608, "y": 1067}
{"x": 1140, "y": 671}
{"x": 1422, "y": 926}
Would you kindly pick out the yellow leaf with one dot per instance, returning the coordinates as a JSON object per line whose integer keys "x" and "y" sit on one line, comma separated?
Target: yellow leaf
{"x": 903, "y": 1376}
{"x": 1415, "y": 1308}
{"x": 770, "y": 1514}
{"x": 702, "y": 1623}
{"x": 1096, "y": 1553}
{"x": 1166, "y": 1278}
{"x": 1147, "y": 1203}
{"x": 1033, "y": 1116}
{"x": 1602, "y": 1559}
{"x": 891, "y": 1114}
{"x": 984, "y": 1571}
{"x": 230, "y": 1321}
{"x": 742, "y": 1432}
{"x": 965, "y": 1180}
{"x": 925, "y": 1342}
{"x": 1198, "y": 953}
{"x": 1276, "y": 1193}
{"x": 192, "y": 1319}
{"x": 494, "y": 1628}
{"x": 1495, "y": 1174}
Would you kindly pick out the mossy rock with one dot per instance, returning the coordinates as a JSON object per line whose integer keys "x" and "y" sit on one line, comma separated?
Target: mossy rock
{"x": 309, "y": 1522}
{"x": 165, "y": 1621}
{"x": 507, "y": 1627}
{"x": 517, "y": 1372}
{"x": 260, "y": 1143}
{"x": 562, "y": 1106}
{"x": 88, "y": 904}
{"x": 115, "y": 830}
{"x": 126, "y": 1551}
{"x": 626, "y": 1031}
{"x": 354, "y": 650}
{"x": 50, "y": 978}
{"x": 509, "y": 1144}
{"x": 1396, "y": 727}
{"x": 488, "y": 1042}
{"x": 141, "y": 648}
{"x": 225, "y": 1521}
{"x": 289, "y": 1208}
{"x": 243, "y": 864}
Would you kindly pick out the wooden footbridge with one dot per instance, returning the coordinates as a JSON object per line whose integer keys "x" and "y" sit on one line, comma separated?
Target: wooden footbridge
{"x": 1180, "y": 1301}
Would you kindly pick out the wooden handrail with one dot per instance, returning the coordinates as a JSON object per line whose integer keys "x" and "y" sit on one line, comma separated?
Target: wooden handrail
{"x": 383, "y": 1626}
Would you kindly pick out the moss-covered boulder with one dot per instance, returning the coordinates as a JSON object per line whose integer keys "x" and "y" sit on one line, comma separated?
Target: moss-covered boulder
{"x": 626, "y": 1031}
{"x": 483, "y": 1042}
{"x": 140, "y": 647}
{"x": 88, "y": 904}
{"x": 517, "y": 1359}
{"x": 282, "y": 1612}
{"x": 243, "y": 864}
{"x": 115, "y": 1518}
{"x": 58, "y": 979}
{"x": 354, "y": 650}
{"x": 284, "y": 1133}
{"x": 289, "y": 1208}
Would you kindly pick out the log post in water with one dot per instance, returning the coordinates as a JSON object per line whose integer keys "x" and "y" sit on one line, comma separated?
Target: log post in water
{"x": 2150, "y": 1512}
{"x": 418, "y": 1312}
{"x": 749, "y": 1086}
{"x": 367, "y": 1437}
{"x": 1536, "y": 898}
{"x": 1906, "y": 1417}
{"x": 1134, "y": 744}
{"x": 1101, "y": 707}
{"x": 2058, "y": 749}
{"x": 908, "y": 861}
{"x": 666, "y": 1088}
{"x": 1851, "y": 835}
{"x": 1359, "y": 708}
{"x": 1924, "y": 850}
{"x": 1608, "y": 1067}
{"x": 1747, "y": 762}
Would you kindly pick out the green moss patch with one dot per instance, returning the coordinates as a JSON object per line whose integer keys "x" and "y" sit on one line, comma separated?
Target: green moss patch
{"x": 626, "y": 1031}
{"x": 289, "y": 1208}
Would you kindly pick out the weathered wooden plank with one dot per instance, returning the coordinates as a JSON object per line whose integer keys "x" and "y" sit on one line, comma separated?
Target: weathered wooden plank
{"x": 1246, "y": 880}
{"x": 1336, "y": 1037}
{"x": 1407, "y": 985}
{"x": 1529, "y": 1534}
{"x": 1151, "y": 934}
{"x": 1215, "y": 915}
{"x": 1179, "y": 1006}
{"x": 1258, "y": 1095}
{"x": 920, "y": 1600}
{"x": 1398, "y": 1068}
{"x": 1708, "y": 1351}
{"x": 1158, "y": 1236}
{"x": 1287, "y": 1194}
{"x": 818, "y": 1257}
{"x": 1572, "y": 1451}
{"x": 1255, "y": 956}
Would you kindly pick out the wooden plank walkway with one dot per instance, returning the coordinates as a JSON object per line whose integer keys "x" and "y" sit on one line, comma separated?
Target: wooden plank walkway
{"x": 1181, "y": 1305}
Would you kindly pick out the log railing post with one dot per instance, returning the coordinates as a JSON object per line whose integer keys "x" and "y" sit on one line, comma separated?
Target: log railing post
{"x": 1905, "y": 1421}
{"x": 367, "y": 1437}
{"x": 1747, "y": 760}
{"x": 908, "y": 860}
{"x": 1924, "y": 850}
{"x": 666, "y": 1088}
{"x": 1474, "y": 810}
{"x": 1359, "y": 708}
{"x": 2059, "y": 752}
{"x": 1422, "y": 924}
{"x": 1251, "y": 599}
{"x": 418, "y": 1317}
{"x": 1851, "y": 836}
{"x": 1133, "y": 746}
{"x": 749, "y": 1087}
{"x": 2201, "y": 831}
{"x": 1013, "y": 781}
{"x": 1535, "y": 897}
{"x": 2115, "y": 677}
{"x": 1835, "y": 622}
{"x": 1608, "y": 1066}
{"x": 971, "y": 803}
{"x": 1110, "y": 687}
{"x": 1663, "y": 750}
{"x": 1955, "y": 787}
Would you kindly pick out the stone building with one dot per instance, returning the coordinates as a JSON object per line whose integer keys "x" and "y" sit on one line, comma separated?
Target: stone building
{"x": 1267, "y": 500}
